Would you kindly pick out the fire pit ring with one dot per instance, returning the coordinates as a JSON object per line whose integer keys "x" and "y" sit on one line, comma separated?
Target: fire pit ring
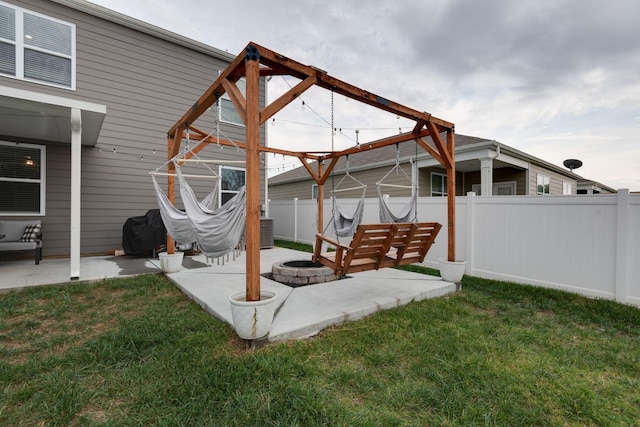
{"x": 297, "y": 273}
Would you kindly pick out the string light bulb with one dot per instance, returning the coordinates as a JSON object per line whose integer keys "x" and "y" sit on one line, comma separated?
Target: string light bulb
{"x": 273, "y": 121}
{"x": 303, "y": 106}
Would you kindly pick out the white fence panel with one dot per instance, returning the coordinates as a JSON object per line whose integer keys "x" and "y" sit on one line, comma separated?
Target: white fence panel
{"x": 562, "y": 242}
{"x": 584, "y": 244}
{"x": 633, "y": 255}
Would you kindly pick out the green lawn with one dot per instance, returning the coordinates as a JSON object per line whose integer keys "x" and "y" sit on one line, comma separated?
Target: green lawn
{"x": 138, "y": 352}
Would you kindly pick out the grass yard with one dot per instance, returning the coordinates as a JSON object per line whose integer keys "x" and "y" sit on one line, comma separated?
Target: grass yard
{"x": 137, "y": 352}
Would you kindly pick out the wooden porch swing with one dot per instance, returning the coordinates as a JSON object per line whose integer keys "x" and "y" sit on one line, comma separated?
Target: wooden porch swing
{"x": 385, "y": 244}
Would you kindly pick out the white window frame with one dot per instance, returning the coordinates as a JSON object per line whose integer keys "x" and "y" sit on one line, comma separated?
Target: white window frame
{"x": 20, "y": 47}
{"x": 220, "y": 202}
{"x": 41, "y": 181}
{"x": 477, "y": 188}
{"x": 544, "y": 181}
{"x": 444, "y": 191}
{"x": 314, "y": 191}
{"x": 224, "y": 99}
{"x": 567, "y": 188}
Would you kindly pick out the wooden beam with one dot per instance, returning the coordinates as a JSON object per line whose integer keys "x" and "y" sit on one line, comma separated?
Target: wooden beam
{"x": 429, "y": 149}
{"x": 408, "y": 136}
{"x": 206, "y": 139}
{"x": 444, "y": 152}
{"x": 236, "y": 97}
{"x": 313, "y": 174}
{"x": 273, "y": 59}
{"x": 286, "y": 98}
{"x": 252, "y": 229}
{"x": 327, "y": 173}
{"x": 206, "y": 100}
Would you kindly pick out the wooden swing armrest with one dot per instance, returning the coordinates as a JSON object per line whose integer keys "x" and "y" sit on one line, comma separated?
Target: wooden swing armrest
{"x": 332, "y": 242}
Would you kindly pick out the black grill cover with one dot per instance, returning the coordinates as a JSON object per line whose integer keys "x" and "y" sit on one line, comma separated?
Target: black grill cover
{"x": 142, "y": 234}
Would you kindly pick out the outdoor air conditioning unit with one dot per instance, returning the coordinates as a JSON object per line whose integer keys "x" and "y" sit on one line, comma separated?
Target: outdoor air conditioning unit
{"x": 266, "y": 233}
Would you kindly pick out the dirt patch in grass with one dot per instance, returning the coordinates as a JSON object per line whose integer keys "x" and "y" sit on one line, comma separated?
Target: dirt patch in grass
{"x": 53, "y": 325}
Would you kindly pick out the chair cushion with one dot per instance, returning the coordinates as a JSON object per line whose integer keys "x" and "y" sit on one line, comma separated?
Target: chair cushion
{"x": 30, "y": 233}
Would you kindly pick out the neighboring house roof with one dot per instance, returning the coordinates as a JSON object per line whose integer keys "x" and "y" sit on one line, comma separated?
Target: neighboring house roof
{"x": 595, "y": 185}
{"x": 144, "y": 27}
{"x": 387, "y": 156}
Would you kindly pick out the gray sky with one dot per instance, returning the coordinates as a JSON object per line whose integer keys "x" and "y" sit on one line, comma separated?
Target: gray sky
{"x": 557, "y": 79}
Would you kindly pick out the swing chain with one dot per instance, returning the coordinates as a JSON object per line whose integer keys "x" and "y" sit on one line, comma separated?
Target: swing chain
{"x": 333, "y": 196}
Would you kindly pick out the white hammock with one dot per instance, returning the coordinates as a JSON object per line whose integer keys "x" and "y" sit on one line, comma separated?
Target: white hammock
{"x": 176, "y": 221}
{"x": 407, "y": 214}
{"x": 219, "y": 231}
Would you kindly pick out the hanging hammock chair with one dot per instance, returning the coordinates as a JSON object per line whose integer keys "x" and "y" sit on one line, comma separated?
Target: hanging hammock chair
{"x": 343, "y": 224}
{"x": 175, "y": 220}
{"x": 219, "y": 231}
{"x": 409, "y": 212}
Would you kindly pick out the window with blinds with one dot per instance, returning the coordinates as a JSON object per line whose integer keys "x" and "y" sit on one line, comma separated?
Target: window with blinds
{"x": 22, "y": 169}
{"x": 35, "y": 47}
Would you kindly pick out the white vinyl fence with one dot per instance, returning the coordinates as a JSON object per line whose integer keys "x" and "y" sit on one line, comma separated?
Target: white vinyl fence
{"x": 586, "y": 244}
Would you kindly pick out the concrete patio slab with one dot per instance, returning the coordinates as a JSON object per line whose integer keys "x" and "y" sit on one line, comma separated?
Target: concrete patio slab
{"x": 305, "y": 311}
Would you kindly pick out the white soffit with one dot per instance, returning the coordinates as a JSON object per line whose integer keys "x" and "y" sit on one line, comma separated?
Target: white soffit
{"x": 42, "y": 117}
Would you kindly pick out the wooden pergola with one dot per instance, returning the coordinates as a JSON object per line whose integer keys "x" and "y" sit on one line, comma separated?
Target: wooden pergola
{"x": 256, "y": 62}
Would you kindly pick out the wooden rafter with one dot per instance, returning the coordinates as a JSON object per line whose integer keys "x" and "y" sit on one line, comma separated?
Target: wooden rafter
{"x": 236, "y": 98}
{"x": 284, "y": 100}
{"x": 445, "y": 156}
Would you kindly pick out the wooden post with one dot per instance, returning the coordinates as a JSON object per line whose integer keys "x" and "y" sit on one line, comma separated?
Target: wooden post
{"x": 451, "y": 196}
{"x": 252, "y": 122}
{"x": 320, "y": 200}
{"x": 171, "y": 182}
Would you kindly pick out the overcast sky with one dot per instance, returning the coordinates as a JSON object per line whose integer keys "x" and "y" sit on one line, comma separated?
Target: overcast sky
{"x": 557, "y": 79}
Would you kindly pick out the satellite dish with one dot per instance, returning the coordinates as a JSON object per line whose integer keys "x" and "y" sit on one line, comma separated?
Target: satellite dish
{"x": 572, "y": 164}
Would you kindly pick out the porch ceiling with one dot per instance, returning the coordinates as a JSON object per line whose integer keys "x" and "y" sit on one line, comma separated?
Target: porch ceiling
{"x": 34, "y": 116}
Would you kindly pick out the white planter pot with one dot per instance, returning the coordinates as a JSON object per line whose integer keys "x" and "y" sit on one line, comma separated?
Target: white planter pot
{"x": 170, "y": 263}
{"x": 451, "y": 271}
{"x": 252, "y": 319}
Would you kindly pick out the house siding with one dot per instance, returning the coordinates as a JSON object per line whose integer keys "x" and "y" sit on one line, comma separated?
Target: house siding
{"x": 146, "y": 83}
{"x": 555, "y": 181}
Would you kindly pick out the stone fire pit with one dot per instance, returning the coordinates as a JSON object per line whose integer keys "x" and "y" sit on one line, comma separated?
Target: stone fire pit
{"x": 301, "y": 272}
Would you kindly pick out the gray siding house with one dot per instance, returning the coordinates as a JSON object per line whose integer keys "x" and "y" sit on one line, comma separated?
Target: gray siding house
{"x": 484, "y": 166}
{"x": 87, "y": 96}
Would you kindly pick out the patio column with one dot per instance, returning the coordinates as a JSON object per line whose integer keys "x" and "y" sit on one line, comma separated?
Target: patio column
{"x": 486, "y": 176}
{"x": 76, "y": 139}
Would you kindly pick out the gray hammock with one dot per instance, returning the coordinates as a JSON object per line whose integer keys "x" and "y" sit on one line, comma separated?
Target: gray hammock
{"x": 345, "y": 225}
{"x": 407, "y": 214}
{"x": 175, "y": 220}
{"x": 219, "y": 231}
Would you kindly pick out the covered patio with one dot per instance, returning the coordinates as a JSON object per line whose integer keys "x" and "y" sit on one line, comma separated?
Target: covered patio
{"x": 27, "y": 116}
